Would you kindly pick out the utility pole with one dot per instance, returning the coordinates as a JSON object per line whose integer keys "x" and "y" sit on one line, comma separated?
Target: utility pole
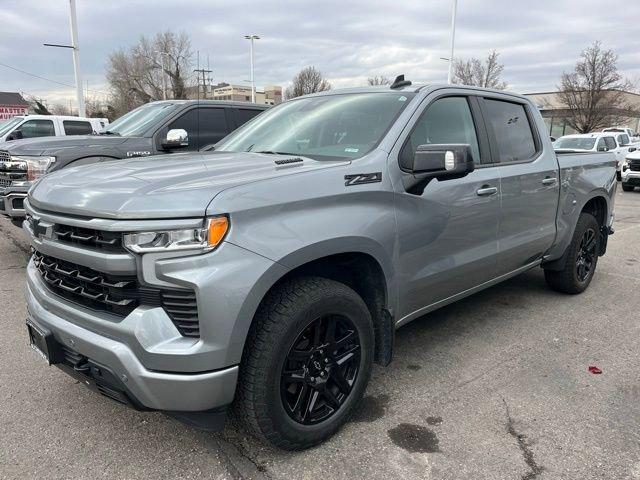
{"x": 204, "y": 82}
{"x": 76, "y": 56}
{"x": 164, "y": 79}
{"x": 251, "y": 38}
{"x": 453, "y": 38}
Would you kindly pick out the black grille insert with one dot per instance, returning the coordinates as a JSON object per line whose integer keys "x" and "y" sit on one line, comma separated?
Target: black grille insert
{"x": 87, "y": 237}
{"x": 116, "y": 294}
{"x": 634, "y": 165}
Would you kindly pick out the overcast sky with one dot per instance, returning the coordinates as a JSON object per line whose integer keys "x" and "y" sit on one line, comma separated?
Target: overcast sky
{"x": 347, "y": 40}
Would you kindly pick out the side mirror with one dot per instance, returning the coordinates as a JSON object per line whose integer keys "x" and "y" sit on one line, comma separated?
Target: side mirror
{"x": 443, "y": 161}
{"x": 176, "y": 138}
{"x": 632, "y": 149}
{"x": 15, "y": 135}
{"x": 603, "y": 149}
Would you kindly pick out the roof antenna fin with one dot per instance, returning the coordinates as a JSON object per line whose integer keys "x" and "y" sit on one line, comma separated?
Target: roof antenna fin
{"x": 400, "y": 82}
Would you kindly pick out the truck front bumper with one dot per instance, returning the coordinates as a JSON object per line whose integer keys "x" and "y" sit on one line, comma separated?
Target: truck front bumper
{"x": 630, "y": 177}
{"x": 12, "y": 200}
{"x": 114, "y": 370}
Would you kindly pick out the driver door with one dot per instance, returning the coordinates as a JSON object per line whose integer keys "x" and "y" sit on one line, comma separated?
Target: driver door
{"x": 448, "y": 236}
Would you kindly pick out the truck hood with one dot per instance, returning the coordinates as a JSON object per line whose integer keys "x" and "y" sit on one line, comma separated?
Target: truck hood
{"x": 168, "y": 186}
{"x": 51, "y": 145}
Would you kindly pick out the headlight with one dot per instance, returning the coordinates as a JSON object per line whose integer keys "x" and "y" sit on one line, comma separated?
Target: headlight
{"x": 36, "y": 167}
{"x": 205, "y": 238}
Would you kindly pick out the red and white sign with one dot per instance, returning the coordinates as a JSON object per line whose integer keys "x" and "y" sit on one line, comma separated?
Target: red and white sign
{"x": 10, "y": 111}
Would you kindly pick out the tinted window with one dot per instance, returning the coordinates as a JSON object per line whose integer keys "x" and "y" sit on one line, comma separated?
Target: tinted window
{"x": 610, "y": 142}
{"x": 512, "y": 130}
{"x": 76, "y": 127}
{"x": 575, "y": 143}
{"x": 447, "y": 120}
{"x": 601, "y": 145}
{"x": 244, "y": 115}
{"x": 204, "y": 126}
{"x": 37, "y": 128}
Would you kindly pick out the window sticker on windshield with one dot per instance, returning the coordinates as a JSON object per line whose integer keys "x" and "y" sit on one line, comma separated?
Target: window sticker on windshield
{"x": 351, "y": 150}
{"x": 402, "y": 99}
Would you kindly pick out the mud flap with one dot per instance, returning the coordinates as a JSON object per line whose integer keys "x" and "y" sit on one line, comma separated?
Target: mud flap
{"x": 604, "y": 238}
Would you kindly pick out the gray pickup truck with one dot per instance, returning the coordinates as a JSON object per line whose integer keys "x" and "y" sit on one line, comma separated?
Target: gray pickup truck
{"x": 271, "y": 273}
{"x": 152, "y": 129}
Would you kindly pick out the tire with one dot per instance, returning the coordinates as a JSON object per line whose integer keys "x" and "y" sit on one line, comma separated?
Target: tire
{"x": 627, "y": 188}
{"x": 618, "y": 176}
{"x": 572, "y": 278}
{"x": 282, "y": 334}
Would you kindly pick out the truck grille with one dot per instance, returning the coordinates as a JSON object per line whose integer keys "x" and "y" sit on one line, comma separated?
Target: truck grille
{"x": 4, "y": 182}
{"x": 634, "y": 165}
{"x": 11, "y": 170}
{"x": 86, "y": 237}
{"x": 116, "y": 294}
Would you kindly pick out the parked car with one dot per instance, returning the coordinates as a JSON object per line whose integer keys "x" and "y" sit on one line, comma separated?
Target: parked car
{"x": 634, "y": 137}
{"x": 631, "y": 171}
{"x": 35, "y": 126}
{"x": 273, "y": 271}
{"x": 155, "y": 128}
{"x": 618, "y": 144}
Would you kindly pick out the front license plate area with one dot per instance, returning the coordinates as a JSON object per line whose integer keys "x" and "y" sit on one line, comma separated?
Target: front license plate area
{"x": 43, "y": 343}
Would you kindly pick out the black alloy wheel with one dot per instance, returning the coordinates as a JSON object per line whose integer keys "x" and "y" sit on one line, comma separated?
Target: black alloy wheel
{"x": 586, "y": 255}
{"x": 320, "y": 369}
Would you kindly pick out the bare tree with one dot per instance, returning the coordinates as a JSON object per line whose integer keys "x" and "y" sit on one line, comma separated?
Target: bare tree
{"x": 37, "y": 105}
{"x": 60, "y": 109}
{"x": 593, "y": 93}
{"x": 474, "y": 72}
{"x": 135, "y": 74}
{"x": 308, "y": 80}
{"x": 378, "y": 80}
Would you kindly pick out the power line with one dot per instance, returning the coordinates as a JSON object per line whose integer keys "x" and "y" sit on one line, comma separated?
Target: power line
{"x": 44, "y": 78}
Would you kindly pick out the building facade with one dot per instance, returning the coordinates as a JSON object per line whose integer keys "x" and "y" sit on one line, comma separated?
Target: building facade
{"x": 12, "y": 104}
{"x": 271, "y": 95}
{"x": 554, "y": 113}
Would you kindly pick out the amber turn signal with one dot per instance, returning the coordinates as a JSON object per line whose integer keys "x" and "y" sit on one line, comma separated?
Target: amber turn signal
{"x": 217, "y": 229}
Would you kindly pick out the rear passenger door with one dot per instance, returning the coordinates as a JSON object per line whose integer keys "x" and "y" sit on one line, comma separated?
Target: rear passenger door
{"x": 448, "y": 234}
{"x": 529, "y": 179}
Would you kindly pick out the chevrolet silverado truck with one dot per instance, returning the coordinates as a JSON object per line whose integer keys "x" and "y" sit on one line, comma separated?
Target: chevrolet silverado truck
{"x": 155, "y": 128}
{"x": 269, "y": 274}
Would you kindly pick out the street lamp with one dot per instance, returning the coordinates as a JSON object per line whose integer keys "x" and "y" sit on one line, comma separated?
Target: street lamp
{"x": 164, "y": 80}
{"x": 76, "y": 55}
{"x": 251, "y": 38}
{"x": 453, "y": 38}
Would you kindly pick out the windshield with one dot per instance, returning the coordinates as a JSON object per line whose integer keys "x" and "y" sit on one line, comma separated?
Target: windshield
{"x": 324, "y": 128}
{"x": 138, "y": 121}
{"x": 575, "y": 143}
{"x": 9, "y": 124}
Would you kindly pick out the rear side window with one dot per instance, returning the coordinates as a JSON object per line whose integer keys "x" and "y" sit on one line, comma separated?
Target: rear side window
{"x": 447, "y": 120}
{"x": 610, "y": 142}
{"x": 512, "y": 130}
{"x": 76, "y": 127}
{"x": 245, "y": 114}
{"x": 37, "y": 128}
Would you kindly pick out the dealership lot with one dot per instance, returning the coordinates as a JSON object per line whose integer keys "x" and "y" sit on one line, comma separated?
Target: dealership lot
{"x": 496, "y": 386}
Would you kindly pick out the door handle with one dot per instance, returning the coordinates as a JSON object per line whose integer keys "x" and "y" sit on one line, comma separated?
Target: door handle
{"x": 549, "y": 181}
{"x": 486, "y": 191}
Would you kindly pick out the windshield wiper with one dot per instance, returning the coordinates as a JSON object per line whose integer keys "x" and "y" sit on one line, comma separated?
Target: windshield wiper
{"x": 270, "y": 152}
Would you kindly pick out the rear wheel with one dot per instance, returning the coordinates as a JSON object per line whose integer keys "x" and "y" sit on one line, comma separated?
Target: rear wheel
{"x": 627, "y": 188}
{"x": 618, "y": 176}
{"x": 582, "y": 258}
{"x": 307, "y": 362}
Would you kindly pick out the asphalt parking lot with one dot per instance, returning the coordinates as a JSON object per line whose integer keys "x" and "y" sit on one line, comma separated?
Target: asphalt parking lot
{"x": 494, "y": 387}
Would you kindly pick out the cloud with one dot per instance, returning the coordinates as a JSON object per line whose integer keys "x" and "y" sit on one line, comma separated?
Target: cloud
{"x": 347, "y": 41}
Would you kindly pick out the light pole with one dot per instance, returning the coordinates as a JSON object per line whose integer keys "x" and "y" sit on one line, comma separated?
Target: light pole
{"x": 453, "y": 39}
{"x": 251, "y": 38}
{"x": 76, "y": 56}
{"x": 164, "y": 80}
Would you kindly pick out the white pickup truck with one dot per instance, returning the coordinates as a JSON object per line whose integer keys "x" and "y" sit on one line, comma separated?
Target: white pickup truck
{"x": 31, "y": 126}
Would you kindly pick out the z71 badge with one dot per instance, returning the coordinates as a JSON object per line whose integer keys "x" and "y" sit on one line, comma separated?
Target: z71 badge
{"x": 361, "y": 178}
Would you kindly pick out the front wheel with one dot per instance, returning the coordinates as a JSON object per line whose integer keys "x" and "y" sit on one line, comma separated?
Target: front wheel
{"x": 306, "y": 363}
{"x": 582, "y": 258}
